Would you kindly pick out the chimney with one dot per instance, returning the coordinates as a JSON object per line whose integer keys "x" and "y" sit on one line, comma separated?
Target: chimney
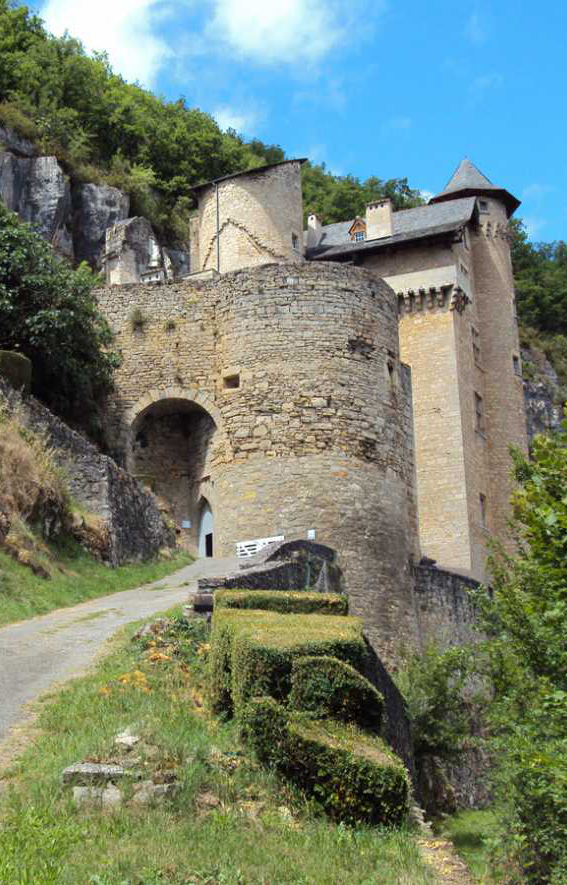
{"x": 314, "y": 232}
{"x": 379, "y": 221}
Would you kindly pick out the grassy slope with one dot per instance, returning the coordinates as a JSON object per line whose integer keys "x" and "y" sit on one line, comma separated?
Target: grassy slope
{"x": 251, "y": 830}
{"x": 76, "y": 577}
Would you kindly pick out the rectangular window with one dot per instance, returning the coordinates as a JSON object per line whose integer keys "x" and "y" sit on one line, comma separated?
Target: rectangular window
{"x": 359, "y": 236}
{"x": 478, "y": 413}
{"x": 231, "y": 382}
{"x": 295, "y": 242}
{"x": 482, "y": 510}
{"x": 516, "y": 364}
{"x": 475, "y": 345}
{"x": 483, "y": 206}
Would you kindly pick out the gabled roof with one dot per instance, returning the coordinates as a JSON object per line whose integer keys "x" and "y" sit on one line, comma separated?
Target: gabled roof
{"x": 468, "y": 181}
{"x": 408, "y": 224}
{"x": 256, "y": 171}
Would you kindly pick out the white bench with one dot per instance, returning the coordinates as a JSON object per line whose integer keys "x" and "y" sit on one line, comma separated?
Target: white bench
{"x": 251, "y": 548}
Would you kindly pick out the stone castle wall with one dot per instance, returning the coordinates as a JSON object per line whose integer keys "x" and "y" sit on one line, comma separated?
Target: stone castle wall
{"x": 298, "y": 367}
{"x": 258, "y": 216}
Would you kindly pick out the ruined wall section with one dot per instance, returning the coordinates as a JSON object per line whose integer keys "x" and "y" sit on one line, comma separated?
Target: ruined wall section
{"x": 260, "y": 219}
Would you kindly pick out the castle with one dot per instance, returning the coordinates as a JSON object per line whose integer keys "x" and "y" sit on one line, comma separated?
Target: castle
{"x": 358, "y": 383}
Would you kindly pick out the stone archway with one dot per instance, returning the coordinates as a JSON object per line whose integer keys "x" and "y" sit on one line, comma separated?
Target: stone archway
{"x": 173, "y": 445}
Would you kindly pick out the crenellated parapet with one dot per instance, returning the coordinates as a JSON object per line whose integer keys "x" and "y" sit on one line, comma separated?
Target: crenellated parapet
{"x": 451, "y": 297}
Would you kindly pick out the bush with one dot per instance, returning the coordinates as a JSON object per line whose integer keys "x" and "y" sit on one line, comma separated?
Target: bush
{"x": 326, "y": 687}
{"x": 17, "y": 368}
{"x": 285, "y": 602}
{"x": 252, "y": 651}
{"x": 354, "y": 776}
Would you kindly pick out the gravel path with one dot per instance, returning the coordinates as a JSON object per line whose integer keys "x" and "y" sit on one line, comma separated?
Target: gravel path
{"x": 43, "y": 651}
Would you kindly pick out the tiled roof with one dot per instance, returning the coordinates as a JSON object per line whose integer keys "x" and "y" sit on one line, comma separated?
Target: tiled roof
{"x": 408, "y": 224}
{"x": 467, "y": 181}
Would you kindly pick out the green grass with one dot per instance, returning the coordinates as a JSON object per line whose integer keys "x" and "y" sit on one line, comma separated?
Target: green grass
{"x": 256, "y": 831}
{"x": 76, "y": 577}
{"x": 471, "y": 832}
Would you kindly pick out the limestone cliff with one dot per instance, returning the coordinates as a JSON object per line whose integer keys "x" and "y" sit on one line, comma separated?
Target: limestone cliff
{"x": 74, "y": 217}
{"x": 542, "y": 394}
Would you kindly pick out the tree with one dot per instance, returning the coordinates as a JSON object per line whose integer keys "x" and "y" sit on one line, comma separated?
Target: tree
{"x": 48, "y": 313}
{"x": 525, "y": 619}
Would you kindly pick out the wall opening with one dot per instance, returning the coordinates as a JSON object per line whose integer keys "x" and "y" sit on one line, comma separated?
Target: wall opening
{"x": 206, "y": 530}
{"x": 173, "y": 443}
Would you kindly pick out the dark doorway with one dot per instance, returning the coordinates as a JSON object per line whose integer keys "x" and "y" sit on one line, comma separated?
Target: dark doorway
{"x": 209, "y": 544}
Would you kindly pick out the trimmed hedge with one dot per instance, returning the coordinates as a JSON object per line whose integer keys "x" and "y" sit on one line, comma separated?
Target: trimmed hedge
{"x": 285, "y": 602}
{"x": 252, "y": 651}
{"x": 326, "y": 687}
{"x": 354, "y": 776}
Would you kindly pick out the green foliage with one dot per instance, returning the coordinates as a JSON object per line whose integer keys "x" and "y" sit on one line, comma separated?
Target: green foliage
{"x": 433, "y": 683}
{"x": 339, "y": 198}
{"x": 353, "y": 775}
{"x": 527, "y": 651}
{"x": 252, "y": 651}
{"x": 48, "y": 312}
{"x": 540, "y": 276}
{"x": 286, "y": 602}
{"x": 325, "y": 687}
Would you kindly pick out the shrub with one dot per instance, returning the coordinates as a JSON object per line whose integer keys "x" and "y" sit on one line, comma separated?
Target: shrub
{"x": 17, "y": 368}
{"x": 353, "y": 775}
{"x": 326, "y": 687}
{"x": 252, "y": 651}
{"x": 282, "y": 601}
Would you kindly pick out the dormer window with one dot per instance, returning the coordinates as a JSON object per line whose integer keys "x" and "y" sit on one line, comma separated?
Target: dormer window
{"x": 357, "y": 231}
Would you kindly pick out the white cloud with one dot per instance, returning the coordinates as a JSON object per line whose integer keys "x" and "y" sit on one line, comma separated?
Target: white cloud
{"x": 533, "y": 226}
{"x": 536, "y": 191}
{"x": 398, "y": 124}
{"x": 475, "y": 28}
{"x": 425, "y": 194}
{"x": 122, "y": 28}
{"x": 281, "y": 31}
{"x": 243, "y": 121}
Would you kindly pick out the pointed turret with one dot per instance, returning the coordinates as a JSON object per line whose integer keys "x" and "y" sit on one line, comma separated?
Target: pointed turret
{"x": 468, "y": 181}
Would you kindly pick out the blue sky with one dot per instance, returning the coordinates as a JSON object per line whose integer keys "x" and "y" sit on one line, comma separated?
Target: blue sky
{"x": 387, "y": 88}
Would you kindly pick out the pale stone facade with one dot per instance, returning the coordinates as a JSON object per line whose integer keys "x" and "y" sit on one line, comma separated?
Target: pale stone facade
{"x": 250, "y": 219}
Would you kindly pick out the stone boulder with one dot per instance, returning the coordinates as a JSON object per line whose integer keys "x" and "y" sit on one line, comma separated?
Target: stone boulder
{"x": 542, "y": 394}
{"x": 96, "y": 207}
{"x": 133, "y": 253}
{"x": 13, "y": 142}
{"x": 40, "y": 192}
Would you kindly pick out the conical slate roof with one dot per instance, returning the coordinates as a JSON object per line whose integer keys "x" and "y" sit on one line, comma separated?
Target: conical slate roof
{"x": 468, "y": 181}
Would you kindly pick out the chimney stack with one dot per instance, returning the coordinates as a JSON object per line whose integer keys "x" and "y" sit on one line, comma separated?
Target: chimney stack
{"x": 314, "y": 232}
{"x": 379, "y": 220}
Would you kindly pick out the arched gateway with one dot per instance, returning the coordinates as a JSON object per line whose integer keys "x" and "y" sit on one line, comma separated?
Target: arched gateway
{"x": 171, "y": 447}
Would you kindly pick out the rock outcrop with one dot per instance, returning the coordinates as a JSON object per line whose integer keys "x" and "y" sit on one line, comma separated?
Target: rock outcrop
{"x": 96, "y": 207}
{"x": 542, "y": 394}
{"x": 74, "y": 218}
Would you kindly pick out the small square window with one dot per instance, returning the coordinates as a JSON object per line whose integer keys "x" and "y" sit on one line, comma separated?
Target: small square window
{"x": 231, "y": 382}
{"x": 483, "y": 205}
{"x": 359, "y": 236}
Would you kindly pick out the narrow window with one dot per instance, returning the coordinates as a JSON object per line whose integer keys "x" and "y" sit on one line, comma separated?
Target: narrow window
{"x": 516, "y": 364}
{"x": 231, "y": 382}
{"x": 483, "y": 206}
{"x": 465, "y": 238}
{"x": 478, "y": 413}
{"x": 482, "y": 510}
{"x": 475, "y": 345}
{"x": 295, "y": 242}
